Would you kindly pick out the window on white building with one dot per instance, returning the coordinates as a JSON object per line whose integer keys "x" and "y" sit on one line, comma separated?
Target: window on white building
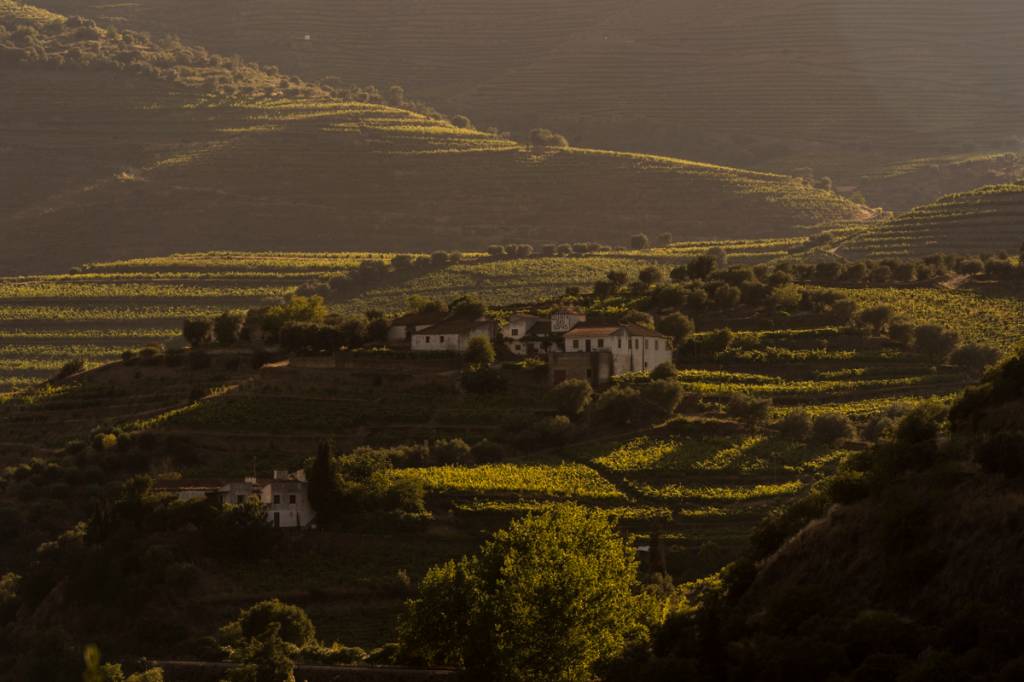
{"x": 620, "y": 342}
{"x": 575, "y": 343}
{"x": 239, "y": 499}
{"x": 427, "y": 339}
{"x": 440, "y": 339}
{"x": 277, "y": 499}
{"x": 600, "y": 343}
{"x": 655, "y": 344}
{"x": 515, "y": 331}
{"x": 291, "y": 499}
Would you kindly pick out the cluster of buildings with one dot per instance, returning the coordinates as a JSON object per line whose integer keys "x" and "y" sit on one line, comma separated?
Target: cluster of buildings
{"x": 284, "y": 496}
{"x": 573, "y": 347}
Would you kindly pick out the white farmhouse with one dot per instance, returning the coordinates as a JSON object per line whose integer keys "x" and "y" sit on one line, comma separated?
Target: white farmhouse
{"x": 633, "y": 348}
{"x": 527, "y": 335}
{"x": 564, "y": 319}
{"x": 402, "y": 328}
{"x": 453, "y": 335}
{"x": 285, "y": 497}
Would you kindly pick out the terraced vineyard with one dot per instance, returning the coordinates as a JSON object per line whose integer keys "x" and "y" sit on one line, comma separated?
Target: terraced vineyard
{"x": 108, "y": 308}
{"x": 844, "y": 88}
{"x": 105, "y": 308}
{"x": 988, "y": 220}
{"x": 274, "y": 166}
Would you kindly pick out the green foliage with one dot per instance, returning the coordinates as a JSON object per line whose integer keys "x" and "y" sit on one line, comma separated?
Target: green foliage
{"x": 832, "y": 428}
{"x": 295, "y": 628}
{"x": 196, "y": 331}
{"x": 479, "y": 352}
{"x": 542, "y": 137}
{"x": 571, "y": 397}
{"x": 112, "y": 672}
{"x": 677, "y": 326}
{"x": 361, "y": 482}
{"x": 876, "y": 318}
{"x": 227, "y": 327}
{"x": 665, "y": 370}
{"x": 748, "y": 409}
{"x": 548, "y": 598}
{"x": 796, "y": 425}
{"x": 265, "y": 658}
{"x": 975, "y": 357}
{"x": 299, "y": 309}
{"x": 934, "y": 342}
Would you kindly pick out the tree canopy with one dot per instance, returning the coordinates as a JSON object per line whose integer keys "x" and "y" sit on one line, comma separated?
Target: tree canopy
{"x": 545, "y": 599}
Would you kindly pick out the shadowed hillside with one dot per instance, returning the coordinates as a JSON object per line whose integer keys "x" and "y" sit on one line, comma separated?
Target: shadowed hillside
{"x": 986, "y": 220}
{"x": 846, "y": 88}
{"x": 119, "y": 147}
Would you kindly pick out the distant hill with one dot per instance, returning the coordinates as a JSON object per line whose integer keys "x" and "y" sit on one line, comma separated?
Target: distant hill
{"x": 845, "y": 88}
{"x": 117, "y": 146}
{"x": 986, "y": 220}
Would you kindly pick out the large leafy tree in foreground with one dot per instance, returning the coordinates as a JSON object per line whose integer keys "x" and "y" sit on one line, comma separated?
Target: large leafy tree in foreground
{"x": 546, "y": 599}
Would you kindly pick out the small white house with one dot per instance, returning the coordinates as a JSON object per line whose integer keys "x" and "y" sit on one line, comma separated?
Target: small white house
{"x": 633, "y": 348}
{"x": 402, "y": 328}
{"x": 453, "y": 335}
{"x": 565, "y": 319}
{"x": 528, "y": 335}
{"x": 285, "y": 496}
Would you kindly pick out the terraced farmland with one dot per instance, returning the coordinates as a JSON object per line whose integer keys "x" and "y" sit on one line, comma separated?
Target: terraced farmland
{"x": 842, "y": 87}
{"x": 190, "y": 170}
{"x": 108, "y": 308}
{"x": 986, "y": 220}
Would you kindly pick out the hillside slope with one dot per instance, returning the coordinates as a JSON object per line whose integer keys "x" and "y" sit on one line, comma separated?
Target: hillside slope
{"x": 905, "y": 566}
{"x": 117, "y": 147}
{"x": 986, "y": 220}
{"x": 842, "y": 87}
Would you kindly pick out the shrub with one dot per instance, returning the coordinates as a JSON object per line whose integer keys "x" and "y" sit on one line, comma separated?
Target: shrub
{"x": 650, "y": 275}
{"x": 728, "y": 296}
{"x": 639, "y": 241}
{"x": 196, "y": 331}
{"x": 542, "y": 137}
{"x": 618, "y": 405}
{"x": 661, "y": 397}
{"x": 227, "y": 327}
{"x": 700, "y": 267}
{"x": 831, "y": 428}
{"x": 876, "y": 318}
{"x": 664, "y": 371}
{"x": 796, "y": 425}
{"x": 748, "y": 409}
{"x": 68, "y": 368}
{"x": 718, "y": 341}
{"x": 934, "y": 342}
{"x": 975, "y": 357}
{"x": 677, "y": 326}
{"x": 479, "y": 352}
{"x": 295, "y": 626}
{"x": 453, "y": 451}
{"x": 571, "y": 397}
{"x": 902, "y": 332}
